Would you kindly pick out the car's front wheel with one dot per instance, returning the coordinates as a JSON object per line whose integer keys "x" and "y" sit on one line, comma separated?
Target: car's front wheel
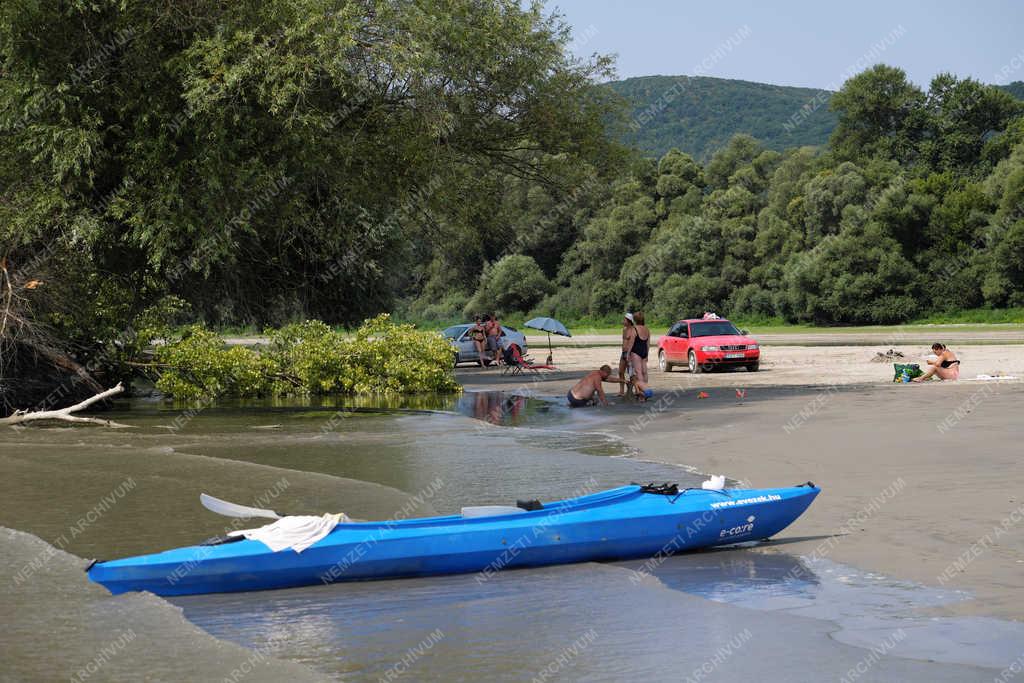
{"x": 691, "y": 361}
{"x": 663, "y": 363}
{"x": 457, "y": 360}
{"x": 753, "y": 367}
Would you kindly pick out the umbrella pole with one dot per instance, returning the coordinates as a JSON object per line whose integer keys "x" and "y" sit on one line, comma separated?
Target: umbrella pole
{"x": 550, "y": 352}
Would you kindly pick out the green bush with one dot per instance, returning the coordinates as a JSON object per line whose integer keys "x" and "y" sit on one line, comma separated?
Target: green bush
{"x": 382, "y": 358}
{"x": 312, "y": 356}
{"x": 309, "y": 358}
{"x": 199, "y": 365}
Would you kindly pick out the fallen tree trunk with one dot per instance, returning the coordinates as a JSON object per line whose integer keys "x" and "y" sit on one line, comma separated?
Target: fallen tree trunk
{"x": 22, "y": 416}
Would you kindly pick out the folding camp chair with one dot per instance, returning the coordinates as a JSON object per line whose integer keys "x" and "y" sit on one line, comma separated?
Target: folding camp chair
{"x": 515, "y": 363}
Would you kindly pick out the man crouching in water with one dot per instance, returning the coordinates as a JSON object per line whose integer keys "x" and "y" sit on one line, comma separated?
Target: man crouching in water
{"x": 582, "y": 393}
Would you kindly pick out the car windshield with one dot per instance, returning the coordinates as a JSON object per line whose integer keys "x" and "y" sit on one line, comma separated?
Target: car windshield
{"x": 455, "y": 331}
{"x": 712, "y": 329}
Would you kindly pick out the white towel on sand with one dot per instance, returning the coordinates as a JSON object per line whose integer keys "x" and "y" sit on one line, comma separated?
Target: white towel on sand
{"x": 992, "y": 378}
{"x": 297, "y": 532}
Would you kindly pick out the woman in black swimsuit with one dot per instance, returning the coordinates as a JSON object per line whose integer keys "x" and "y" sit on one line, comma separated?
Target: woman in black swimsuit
{"x": 641, "y": 338}
{"x": 946, "y": 365}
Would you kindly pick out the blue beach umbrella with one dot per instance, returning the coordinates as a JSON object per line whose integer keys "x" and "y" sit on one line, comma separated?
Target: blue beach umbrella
{"x": 549, "y": 325}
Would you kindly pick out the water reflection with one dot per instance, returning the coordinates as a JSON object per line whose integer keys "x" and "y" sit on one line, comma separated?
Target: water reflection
{"x": 493, "y": 407}
{"x": 514, "y": 620}
{"x": 731, "y": 575}
{"x": 499, "y": 408}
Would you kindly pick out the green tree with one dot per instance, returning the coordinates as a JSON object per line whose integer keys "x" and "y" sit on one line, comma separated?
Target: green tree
{"x": 514, "y": 284}
{"x": 740, "y": 151}
{"x": 827, "y": 194}
{"x": 964, "y": 113}
{"x": 856, "y": 276}
{"x": 880, "y": 112}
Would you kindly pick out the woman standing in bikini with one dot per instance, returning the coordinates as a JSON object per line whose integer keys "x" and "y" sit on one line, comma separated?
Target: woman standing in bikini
{"x": 479, "y": 337}
{"x": 946, "y": 365}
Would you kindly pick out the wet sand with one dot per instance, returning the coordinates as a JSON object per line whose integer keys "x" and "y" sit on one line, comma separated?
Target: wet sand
{"x": 920, "y": 482}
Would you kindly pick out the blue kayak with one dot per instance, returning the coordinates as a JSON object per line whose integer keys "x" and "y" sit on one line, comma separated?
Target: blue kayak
{"x": 623, "y": 523}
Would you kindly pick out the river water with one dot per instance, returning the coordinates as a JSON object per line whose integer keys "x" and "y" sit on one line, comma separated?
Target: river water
{"x": 73, "y": 494}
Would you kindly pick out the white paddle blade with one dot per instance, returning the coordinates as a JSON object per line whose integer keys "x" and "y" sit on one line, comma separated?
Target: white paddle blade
{"x": 223, "y": 507}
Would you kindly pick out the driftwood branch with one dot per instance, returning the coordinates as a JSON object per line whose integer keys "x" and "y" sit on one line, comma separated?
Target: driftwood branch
{"x": 64, "y": 414}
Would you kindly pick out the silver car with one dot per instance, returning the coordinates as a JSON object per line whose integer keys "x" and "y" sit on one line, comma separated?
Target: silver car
{"x": 465, "y": 349}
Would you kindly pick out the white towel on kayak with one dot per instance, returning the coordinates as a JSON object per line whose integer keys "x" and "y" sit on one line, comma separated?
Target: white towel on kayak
{"x": 297, "y": 532}
{"x": 715, "y": 483}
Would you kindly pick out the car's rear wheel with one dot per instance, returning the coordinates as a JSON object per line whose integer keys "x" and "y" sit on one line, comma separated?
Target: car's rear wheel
{"x": 663, "y": 363}
{"x": 691, "y": 361}
{"x": 753, "y": 367}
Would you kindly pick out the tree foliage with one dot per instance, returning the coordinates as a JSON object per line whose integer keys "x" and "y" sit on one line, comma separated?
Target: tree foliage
{"x": 515, "y": 283}
{"x": 261, "y": 161}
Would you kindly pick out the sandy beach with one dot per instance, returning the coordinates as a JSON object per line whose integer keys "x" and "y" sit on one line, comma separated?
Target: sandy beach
{"x": 920, "y": 482}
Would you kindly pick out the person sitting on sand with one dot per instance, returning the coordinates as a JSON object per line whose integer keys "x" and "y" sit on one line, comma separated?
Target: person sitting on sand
{"x": 945, "y": 365}
{"x": 582, "y": 393}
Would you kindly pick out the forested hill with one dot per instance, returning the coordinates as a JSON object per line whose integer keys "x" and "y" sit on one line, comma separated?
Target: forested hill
{"x": 1016, "y": 89}
{"x": 699, "y": 115}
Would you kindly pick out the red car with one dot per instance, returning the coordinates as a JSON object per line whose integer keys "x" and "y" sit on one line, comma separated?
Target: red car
{"x": 703, "y": 344}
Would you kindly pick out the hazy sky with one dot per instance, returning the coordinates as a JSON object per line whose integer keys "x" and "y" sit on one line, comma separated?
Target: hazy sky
{"x": 803, "y": 42}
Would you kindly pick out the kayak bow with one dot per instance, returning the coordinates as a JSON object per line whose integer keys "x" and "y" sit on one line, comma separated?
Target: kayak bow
{"x": 623, "y": 523}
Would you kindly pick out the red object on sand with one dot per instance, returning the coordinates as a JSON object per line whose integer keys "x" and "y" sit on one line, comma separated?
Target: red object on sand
{"x": 741, "y": 393}
{"x": 703, "y": 395}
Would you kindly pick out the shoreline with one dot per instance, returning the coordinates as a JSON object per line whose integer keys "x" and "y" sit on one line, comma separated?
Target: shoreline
{"x": 920, "y": 486}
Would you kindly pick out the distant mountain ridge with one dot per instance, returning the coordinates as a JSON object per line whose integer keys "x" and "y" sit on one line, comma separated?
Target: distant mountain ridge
{"x": 698, "y": 114}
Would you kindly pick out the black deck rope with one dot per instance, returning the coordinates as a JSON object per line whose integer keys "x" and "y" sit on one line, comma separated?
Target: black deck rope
{"x": 665, "y": 489}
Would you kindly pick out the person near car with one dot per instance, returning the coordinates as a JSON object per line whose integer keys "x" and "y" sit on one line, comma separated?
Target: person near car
{"x": 627, "y": 326}
{"x": 493, "y": 330}
{"x": 479, "y": 336}
{"x": 582, "y": 393}
{"x": 638, "y": 346}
